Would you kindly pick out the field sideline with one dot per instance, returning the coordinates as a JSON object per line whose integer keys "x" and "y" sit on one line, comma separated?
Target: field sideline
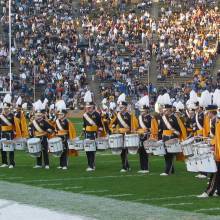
{"x": 175, "y": 192}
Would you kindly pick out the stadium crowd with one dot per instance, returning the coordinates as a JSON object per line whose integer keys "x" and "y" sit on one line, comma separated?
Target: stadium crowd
{"x": 59, "y": 47}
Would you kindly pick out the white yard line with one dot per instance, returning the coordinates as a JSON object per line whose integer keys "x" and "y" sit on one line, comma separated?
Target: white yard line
{"x": 178, "y": 204}
{"x": 163, "y": 198}
{"x": 50, "y": 184}
{"x": 208, "y": 209}
{"x": 82, "y": 178}
{"x": 93, "y": 191}
{"x": 71, "y": 187}
{"x": 92, "y": 206}
{"x": 118, "y": 195}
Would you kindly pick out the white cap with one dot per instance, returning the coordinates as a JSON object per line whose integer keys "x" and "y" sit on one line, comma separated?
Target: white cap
{"x": 60, "y": 105}
{"x": 121, "y": 98}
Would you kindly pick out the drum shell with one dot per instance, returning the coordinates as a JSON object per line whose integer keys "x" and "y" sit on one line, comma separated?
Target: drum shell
{"x": 116, "y": 141}
{"x": 206, "y": 163}
{"x": 131, "y": 140}
{"x": 55, "y": 146}
{"x": 187, "y": 150}
{"x": 89, "y": 145}
{"x": 191, "y": 164}
{"x": 158, "y": 148}
{"x": 8, "y": 145}
{"x": 75, "y": 144}
{"x": 20, "y": 144}
{"x": 34, "y": 146}
{"x": 173, "y": 146}
{"x": 102, "y": 143}
{"x": 148, "y": 145}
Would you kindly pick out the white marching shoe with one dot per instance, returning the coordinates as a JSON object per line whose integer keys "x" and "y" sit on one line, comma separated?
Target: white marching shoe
{"x": 201, "y": 176}
{"x": 59, "y": 167}
{"x": 123, "y": 171}
{"x": 37, "y": 167}
{"x": 163, "y": 174}
{"x": 203, "y": 195}
{"x": 11, "y": 167}
{"x": 47, "y": 167}
{"x": 89, "y": 169}
{"x": 143, "y": 171}
{"x": 4, "y": 165}
{"x": 64, "y": 168}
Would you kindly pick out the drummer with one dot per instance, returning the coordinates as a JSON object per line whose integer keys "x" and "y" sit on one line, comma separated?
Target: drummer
{"x": 122, "y": 125}
{"x": 20, "y": 121}
{"x": 214, "y": 183}
{"x": 171, "y": 130}
{"x": 144, "y": 126}
{"x": 7, "y": 130}
{"x": 92, "y": 126}
{"x": 40, "y": 128}
{"x": 64, "y": 129}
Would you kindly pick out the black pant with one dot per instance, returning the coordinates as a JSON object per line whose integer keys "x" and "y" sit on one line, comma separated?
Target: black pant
{"x": 91, "y": 159}
{"x": 214, "y": 183}
{"x": 64, "y": 155}
{"x": 91, "y": 154}
{"x": 44, "y": 153}
{"x": 169, "y": 166}
{"x": 63, "y": 158}
{"x": 124, "y": 159}
{"x": 8, "y": 136}
{"x": 11, "y": 157}
{"x": 143, "y": 155}
{"x": 169, "y": 157}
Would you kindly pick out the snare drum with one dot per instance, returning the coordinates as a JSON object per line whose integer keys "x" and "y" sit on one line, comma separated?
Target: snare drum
{"x": 20, "y": 143}
{"x": 204, "y": 148}
{"x": 75, "y": 144}
{"x": 55, "y": 146}
{"x": 132, "y": 141}
{"x": 192, "y": 164}
{"x": 34, "y": 147}
{"x": 148, "y": 145}
{"x": 89, "y": 145}
{"x": 116, "y": 143}
{"x": 206, "y": 163}
{"x": 173, "y": 146}
{"x": 187, "y": 147}
{"x": 102, "y": 143}
{"x": 158, "y": 148}
{"x": 8, "y": 145}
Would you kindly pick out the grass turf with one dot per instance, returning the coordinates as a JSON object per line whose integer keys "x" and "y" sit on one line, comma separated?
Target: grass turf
{"x": 175, "y": 192}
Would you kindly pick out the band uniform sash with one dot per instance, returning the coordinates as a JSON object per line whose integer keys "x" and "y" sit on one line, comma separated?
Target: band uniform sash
{"x": 7, "y": 122}
{"x": 7, "y": 128}
{"x": 197, "y": 122}
{"x": 39, "y": 131}
{"x": 142, "y": 125}
{"x": 123, "y": 123}
{"x": 91, "y": 122}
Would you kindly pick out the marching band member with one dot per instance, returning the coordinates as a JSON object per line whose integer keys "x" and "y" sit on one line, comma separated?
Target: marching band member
{"x": 7, "y": 130}
{"x": 214, "y": 183}
{"x": 92, "y": 126}
{"x": 64, "y": 129}
{"x": 122, "y": 125}
{"x": 171, "y": 129}
{"x": 144, "y": 126}
{"x": 21, "y": 126}
{"x": 40, "y": 128}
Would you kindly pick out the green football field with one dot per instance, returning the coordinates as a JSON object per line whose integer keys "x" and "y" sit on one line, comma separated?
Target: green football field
{"x": 174, "y": 192}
